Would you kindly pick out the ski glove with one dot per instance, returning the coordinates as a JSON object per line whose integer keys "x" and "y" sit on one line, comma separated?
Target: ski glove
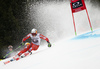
{"x": 22, "y": 43}
{"x": 49, "y": 45}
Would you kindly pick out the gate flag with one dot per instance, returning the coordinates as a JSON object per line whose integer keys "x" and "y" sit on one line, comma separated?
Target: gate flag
{"x": 76, "y": 6}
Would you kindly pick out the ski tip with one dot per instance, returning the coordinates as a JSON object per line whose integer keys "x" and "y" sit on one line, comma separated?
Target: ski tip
{"x": 6, "y": 62}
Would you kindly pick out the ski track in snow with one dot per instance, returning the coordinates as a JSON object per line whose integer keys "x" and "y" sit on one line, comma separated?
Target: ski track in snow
{"x": 65, "y": 54}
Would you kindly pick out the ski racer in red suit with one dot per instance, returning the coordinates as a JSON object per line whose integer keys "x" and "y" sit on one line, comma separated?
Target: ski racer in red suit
{"x": 35, "y": 42}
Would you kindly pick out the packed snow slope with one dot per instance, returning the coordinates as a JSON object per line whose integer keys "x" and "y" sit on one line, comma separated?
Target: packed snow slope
{"x": 80, "y": 52}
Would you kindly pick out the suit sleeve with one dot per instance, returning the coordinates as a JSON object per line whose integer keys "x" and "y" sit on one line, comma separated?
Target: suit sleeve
{"x": 44, "y": 38}
{"x": 26, "y": 37}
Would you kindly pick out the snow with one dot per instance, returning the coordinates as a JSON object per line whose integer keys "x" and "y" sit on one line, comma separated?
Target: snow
{"x": 80, "y": 52}
{"x": 73, "y": 53}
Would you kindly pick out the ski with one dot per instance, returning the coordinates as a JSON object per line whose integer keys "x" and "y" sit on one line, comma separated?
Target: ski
{"x": 6, "y": 62}
{"x": 16, "y": 59}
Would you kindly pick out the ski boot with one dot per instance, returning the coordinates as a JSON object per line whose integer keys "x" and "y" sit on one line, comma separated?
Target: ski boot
{"x": 25, "y": 54}
{"x": 17, "y": 57}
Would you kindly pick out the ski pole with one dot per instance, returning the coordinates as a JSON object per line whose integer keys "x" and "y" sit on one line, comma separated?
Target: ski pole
{"x": 13, "y": 50}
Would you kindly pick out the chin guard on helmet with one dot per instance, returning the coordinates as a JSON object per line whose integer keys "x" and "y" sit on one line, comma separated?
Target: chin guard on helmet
{"x": 27, "y": 43}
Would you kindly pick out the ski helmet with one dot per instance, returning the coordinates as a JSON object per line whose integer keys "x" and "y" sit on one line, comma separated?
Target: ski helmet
{"x": 27, "y": 43}
{"x": 10, "y": 47}
{"x": 34, "y": 31}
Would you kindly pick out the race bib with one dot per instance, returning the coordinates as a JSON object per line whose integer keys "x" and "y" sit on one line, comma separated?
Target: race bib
{"x": 35, "y": 40}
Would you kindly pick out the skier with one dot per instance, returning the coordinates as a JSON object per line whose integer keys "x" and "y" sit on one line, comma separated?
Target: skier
{"x": 35, "y": 42}
{"x": 10, "y": 47}
{"x": 27, "y": 52}
{"x": 23, "y": 55}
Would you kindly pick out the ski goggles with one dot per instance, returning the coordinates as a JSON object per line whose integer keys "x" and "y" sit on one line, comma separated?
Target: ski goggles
{"x": 33, "y": 33}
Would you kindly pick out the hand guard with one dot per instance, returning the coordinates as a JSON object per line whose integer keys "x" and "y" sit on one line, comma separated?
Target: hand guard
{"x": 22, "y": 43}
{"x": 49, "y": 45}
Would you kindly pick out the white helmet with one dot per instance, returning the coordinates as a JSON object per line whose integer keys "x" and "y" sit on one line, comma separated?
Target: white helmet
{"x": 34, "y": 31}
{"x": 10, "y": 46}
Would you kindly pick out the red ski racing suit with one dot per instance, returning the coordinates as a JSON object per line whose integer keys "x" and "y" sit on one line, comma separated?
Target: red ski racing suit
{"x": 35, "y": 42}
